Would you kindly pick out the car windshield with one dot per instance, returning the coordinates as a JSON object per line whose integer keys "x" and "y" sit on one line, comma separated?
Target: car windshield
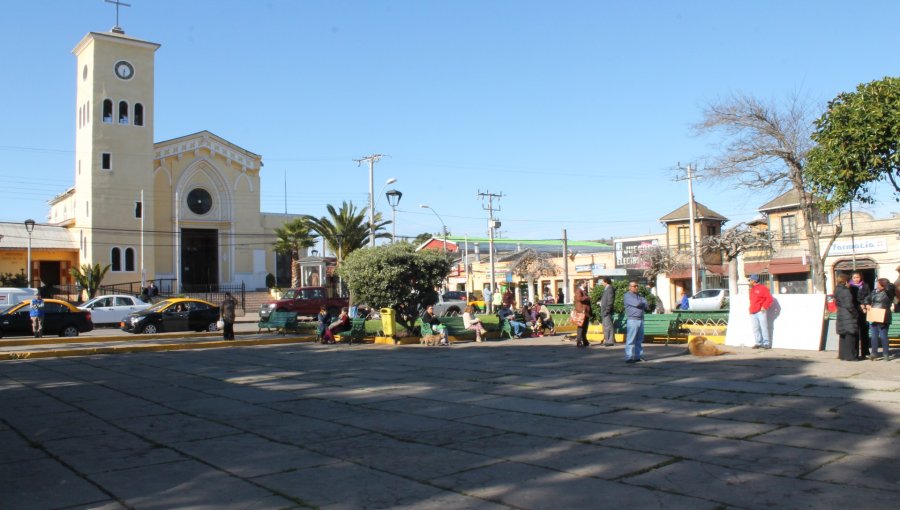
{"x": 7, "y": 308}
{"x": 289, "y": 294}
{"x": 160, "y": 306}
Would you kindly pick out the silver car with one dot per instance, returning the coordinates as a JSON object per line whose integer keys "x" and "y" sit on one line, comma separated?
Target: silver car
{"x": 112, "y": 309}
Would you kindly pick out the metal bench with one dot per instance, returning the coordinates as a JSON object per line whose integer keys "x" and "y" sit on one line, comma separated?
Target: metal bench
{"x": 456, "y": 327}
{"x": 661, "y": 325}
{"x": 279, "y": 321}
{"x": 356, "y": 332}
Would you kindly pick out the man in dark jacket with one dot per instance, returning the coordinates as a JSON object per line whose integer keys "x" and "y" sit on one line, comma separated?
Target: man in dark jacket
{"x": 607, "y": 300}
{"x": 228, "y": 315}
{"x": 861, "y": 291}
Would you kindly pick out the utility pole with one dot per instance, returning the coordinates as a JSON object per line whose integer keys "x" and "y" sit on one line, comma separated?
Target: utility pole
{"x": 491, "y": 226}
{"x": 371, "y": 159}
{"x": 565, "y": 254}
{"x": 690, "y": 179}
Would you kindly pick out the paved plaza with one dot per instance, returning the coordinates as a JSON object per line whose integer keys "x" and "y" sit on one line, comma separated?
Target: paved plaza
{"x": 527, "y": 424}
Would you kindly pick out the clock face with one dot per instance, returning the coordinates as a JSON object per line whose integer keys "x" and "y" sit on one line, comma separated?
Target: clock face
{"x": 124, "y": 70}
{"x": 199, "y": 201}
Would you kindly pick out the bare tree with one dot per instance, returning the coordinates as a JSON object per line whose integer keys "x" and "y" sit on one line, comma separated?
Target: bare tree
{"x": 659, "y": 260}
{"x": 733, "y": 242}
{"x": 531, "y": 265}
{"x": 764, "y": 147}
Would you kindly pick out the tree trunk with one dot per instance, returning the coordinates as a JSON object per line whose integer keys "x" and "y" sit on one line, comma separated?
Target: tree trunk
{"x": 732, "y": 277}
{"x": 295, "y": 273}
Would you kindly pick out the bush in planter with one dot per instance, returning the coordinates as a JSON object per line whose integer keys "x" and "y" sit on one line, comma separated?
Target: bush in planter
{"x": 621, "y": 287}
{"x": 270, "y": 280}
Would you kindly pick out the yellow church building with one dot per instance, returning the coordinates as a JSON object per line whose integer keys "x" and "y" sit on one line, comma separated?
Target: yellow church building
{"x": 185, "y": 210}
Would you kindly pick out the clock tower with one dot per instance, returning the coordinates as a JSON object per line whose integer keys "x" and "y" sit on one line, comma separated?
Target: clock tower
{"x": 114, "y": 154}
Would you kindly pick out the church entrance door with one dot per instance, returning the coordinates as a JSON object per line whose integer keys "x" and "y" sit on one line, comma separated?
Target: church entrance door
{"x": 199, "y": 256}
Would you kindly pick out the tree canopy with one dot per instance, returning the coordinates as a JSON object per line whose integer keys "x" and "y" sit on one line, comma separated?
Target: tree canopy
{"x": 346, "y": 230}
{"x": 89, "y": 277}
{"x": 292, "y": 238}
{"x": 395, "y": 276}
{"x": 858, "y": 138}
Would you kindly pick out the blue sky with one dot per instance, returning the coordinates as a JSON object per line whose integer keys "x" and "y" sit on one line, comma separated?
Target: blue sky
{"x": 577, "y": 111}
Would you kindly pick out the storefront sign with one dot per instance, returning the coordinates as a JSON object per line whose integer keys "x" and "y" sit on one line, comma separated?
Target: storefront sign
{"x": 589, "y": 268}
{"x": 876, "y": 245}
{"x": 629, "y": 253}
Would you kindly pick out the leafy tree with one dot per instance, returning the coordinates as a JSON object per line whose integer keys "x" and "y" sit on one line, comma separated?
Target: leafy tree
{"x": 621, "y": 287}
{"x": 347, "y": 230}
{"x": 88, "y": 277}
{"x": 14, "y": 280}
{"x": 858, "y": 140}
{"x": 395, "y": 276}
{"x": 293, "y": 238}
{"x": 765, "y": 147}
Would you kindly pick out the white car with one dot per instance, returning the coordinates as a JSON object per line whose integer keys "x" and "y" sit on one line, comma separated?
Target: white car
{"x": 450, "y": 303}
{"x": 708, "y": 300}
{"x": 112, "y": 309}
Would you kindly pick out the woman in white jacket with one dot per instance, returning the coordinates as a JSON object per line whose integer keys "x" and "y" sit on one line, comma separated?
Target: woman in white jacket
{"x": 472, "y": 322}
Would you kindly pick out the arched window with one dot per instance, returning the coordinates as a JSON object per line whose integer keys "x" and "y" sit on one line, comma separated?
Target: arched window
{"x": 107, "y": 111}
{"x": 116, "y": 259}
{"x": 138, "y": 114}
{"x": 129, "y": 259}
{"x": 123, "y": 112}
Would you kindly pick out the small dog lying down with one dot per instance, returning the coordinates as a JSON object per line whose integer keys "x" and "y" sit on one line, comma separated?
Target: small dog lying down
{"x": 702, "y": 346}
{"x": 430, "y": 339}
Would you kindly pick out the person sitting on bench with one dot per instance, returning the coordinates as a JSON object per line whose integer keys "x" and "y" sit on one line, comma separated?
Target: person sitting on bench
{"x": 543, "y": 320}
{"x": 473, "y": 323}
{"x": 341, "y": 324}
{"x": 429, "y": 318}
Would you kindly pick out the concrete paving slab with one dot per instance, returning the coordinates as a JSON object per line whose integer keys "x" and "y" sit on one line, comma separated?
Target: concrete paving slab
{"x": 862, "y": 471}
{"x": 745, "y": 489}
{"x": 545, "y": 426}
{"x": 44, "y": 483}
{"x": 174, "y": 428}
{"x": 869, "y": 445}
{"x": 681, "y": 423}
{"x": 111, "y": 452}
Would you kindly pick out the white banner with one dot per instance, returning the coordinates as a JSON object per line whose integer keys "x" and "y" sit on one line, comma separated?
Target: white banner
{"x": 876, "y": 245}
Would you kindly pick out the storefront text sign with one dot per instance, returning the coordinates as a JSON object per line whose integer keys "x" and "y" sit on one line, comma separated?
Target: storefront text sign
{"x": 876, "y": 245}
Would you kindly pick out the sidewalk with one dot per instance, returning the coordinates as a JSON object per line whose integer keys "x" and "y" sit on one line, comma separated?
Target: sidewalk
{"x": 526, "y": 424}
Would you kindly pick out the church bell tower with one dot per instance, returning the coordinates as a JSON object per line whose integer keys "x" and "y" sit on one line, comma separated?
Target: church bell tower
{"x": 114, "y": 153}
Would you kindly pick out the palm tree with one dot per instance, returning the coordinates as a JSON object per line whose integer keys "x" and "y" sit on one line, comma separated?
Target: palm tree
{"x": 293, "y": 238}
{"x": 88, "y": 277}
{"x": 346, "y": 230}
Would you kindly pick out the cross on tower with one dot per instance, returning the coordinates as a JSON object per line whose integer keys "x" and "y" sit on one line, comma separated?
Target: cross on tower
{"x": 118, "y": 4}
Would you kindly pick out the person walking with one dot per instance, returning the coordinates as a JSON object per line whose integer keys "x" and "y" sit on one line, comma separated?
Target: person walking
{"x": 228, "y": 306}
{"x": 880, "y": 298}
{"x": 582, "y": 305}
{"x": 36, "y": 312}
{"x": 760, "y": 302}
{"x": 862, "y": 291}
{"x": 635, "y": 307}
{"x": 487, "y": 294}
{"x": 847, "y": 319}
{"x": 607, "y": 300}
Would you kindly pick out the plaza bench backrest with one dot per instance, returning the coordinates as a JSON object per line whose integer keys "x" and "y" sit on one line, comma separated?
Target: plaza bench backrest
{"x": 279, "y": 321}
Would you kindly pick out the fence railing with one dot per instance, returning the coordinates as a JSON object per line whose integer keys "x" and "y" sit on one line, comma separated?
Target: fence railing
{"x": 214, "y": 293}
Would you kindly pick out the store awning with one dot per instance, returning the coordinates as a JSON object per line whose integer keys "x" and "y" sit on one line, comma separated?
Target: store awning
{"x": 777, "y": 266}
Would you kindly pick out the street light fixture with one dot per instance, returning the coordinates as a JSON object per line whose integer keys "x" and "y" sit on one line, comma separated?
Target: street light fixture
{"x": 393, "y": 198}
{"x": 423, "y": 206}
{"x": 29, "y": 226}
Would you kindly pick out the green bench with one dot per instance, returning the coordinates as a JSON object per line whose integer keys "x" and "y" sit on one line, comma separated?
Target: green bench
{"x": 279, "y": 321}
{"x": 663, "y": 324}
{"x": 356, "y": 332}
{"x": 506, "y": 327}
{"x": 456, "y": 327}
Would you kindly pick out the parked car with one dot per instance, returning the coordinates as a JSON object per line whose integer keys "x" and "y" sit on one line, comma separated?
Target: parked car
{"x": 60, "y": 318}
{"x": 177, "y": 314}
{"x": 451, "y": 303}
{"x": 112, "y": 309}
{"x": 13, "y": 295}
{"x": 708, "y": 300}
{"x": 304, "y": 301}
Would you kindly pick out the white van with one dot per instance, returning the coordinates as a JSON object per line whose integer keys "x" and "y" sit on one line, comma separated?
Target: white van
{"x": 13, "y": 295}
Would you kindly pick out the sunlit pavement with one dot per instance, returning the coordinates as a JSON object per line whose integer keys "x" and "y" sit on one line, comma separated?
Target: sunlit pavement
{"x": 514, "y": 424}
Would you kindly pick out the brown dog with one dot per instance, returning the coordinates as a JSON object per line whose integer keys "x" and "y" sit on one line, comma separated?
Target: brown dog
{"x": 702, "y": 346}
{"x": 430, "y": 340}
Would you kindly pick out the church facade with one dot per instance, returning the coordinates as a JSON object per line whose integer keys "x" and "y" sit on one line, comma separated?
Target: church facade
{"x": 186, "y": 209}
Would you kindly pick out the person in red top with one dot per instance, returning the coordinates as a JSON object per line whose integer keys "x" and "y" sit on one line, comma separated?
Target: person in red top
{"x": 760, "y": 302}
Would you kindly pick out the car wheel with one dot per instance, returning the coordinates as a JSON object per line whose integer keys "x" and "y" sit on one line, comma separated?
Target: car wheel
{"x": 452, "y": 311}
{"x": 69, "y": 331}
{"x": 150, "y": 329}
{"x": 212, "y": 327}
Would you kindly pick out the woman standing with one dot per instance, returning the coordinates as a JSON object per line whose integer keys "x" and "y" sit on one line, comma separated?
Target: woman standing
{"x": 228, "y": 306}
{"x": 880, "y": 298}
{"x": 847, "y": 319}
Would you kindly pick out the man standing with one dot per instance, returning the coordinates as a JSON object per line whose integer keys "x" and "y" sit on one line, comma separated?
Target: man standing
{"x": 862, "y": 290}
{"x": 152, "y": 291}
{"x": 496, "y": 300}
{"x": 607, "y": 300}
{"x": 508, "y": 297}
{"x": 37, "y": 315}
{"x": 760, "y": 301}
{"x": 228, "y": 316}
{"x": 635, "y": 306}
{"x": 486, "y": 293}
{"x": 582, "y": 305}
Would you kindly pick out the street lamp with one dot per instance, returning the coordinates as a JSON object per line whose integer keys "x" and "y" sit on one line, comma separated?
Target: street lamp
{"x": 393, "y": 198}
{"x": 423, "y": 206}
{"x": 29, "y": 226}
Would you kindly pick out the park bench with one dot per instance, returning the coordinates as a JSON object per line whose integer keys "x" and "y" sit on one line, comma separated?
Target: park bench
{"x": 661, "y": 325}
{"x": 506, "y": 327}
{"x": 279, "y": 321}
{"x": 456, "y": 327}
{"x": 356, "y": 332}
{"x": 894, "y": 328}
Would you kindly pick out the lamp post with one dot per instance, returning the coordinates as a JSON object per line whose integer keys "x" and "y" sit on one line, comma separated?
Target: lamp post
{"x": 423, "y": 206}
{"x": 29, "y": 226}
{"x": 393, "y": 198}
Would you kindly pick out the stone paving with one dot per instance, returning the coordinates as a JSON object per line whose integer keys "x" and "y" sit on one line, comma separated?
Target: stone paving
{"x": 528, "y": 424}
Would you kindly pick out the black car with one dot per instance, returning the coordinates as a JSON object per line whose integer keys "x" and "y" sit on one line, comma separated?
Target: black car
{"x": 60, "y": 318}
{"x": 176, "y": 314}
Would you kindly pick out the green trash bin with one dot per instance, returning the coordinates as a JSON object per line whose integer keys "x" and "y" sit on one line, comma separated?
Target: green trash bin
{"x": 388, "y": 325}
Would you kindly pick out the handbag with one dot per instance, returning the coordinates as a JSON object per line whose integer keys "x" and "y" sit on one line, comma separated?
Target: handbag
{"x": 577, "y": 318}
{"x": 875, "y": 315}
{"x": 220, "y": 324}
